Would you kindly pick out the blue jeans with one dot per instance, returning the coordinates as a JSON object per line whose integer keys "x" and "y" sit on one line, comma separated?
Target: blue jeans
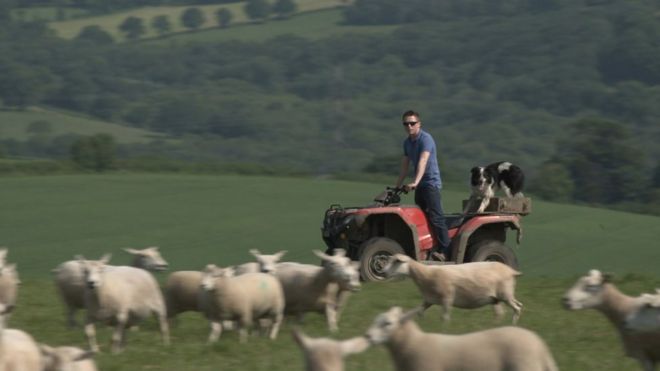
{"x": 428, "y": 198}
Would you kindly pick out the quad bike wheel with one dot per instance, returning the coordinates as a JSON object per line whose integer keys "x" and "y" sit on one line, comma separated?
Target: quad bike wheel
{"x": 375, "y": 254}
{"x": 492, "y": 250}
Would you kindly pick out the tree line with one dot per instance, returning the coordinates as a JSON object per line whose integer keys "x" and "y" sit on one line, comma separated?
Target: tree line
{"x": 525, "y": 86}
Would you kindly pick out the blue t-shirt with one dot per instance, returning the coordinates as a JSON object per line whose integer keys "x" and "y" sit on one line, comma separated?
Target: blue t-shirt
{"x": 413, "y": 150}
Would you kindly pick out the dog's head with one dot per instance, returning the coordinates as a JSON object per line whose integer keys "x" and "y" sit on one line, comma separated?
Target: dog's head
{"x": 480, "y": 178}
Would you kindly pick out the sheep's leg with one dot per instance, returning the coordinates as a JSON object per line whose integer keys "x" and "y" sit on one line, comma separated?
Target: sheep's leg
{"x": 164, "y": 328}
{"x": 71, "y": 318}
{"x": 425, "y": 305}
{"x": 517, "y": 309}
{"x": 243, "y": 325}
{"x": 119, "y": 333}
{"x": 342, "y": 298}
{"x": 446, "y": 308}
{"x": 90, "y": 332}
{"x": 331, "y": 316}
{"x": 277, "y": 322}
{"x": 647, "y": 364}
{"x": 216, "y": 331}
{"x": 499, "y": 310}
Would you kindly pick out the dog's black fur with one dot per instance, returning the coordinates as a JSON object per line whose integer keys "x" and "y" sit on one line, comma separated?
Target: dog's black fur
{"x": 498, "y": 175}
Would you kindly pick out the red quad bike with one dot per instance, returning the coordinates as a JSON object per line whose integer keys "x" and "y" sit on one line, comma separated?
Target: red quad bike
{"x": 371, "y": 234}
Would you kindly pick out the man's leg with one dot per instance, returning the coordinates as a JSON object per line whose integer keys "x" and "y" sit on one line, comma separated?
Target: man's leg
{"x": 429, "y": 199}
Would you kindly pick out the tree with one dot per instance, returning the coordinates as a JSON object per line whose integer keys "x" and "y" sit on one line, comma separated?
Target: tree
{"x": 132, "y": 27}
{"x": 553, "y": 182}
{"x": 223, "y": 16}
{"x": 192, "y": 18}
{"x": 257, "y": 10}
{"x": 161, "y": 24}
{"x": 96, "y": 152}
{"x": 96, "y": 35}
{"x": 284, "y": 8}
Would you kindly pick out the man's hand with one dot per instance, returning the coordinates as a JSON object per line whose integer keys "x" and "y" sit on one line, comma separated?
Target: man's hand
{"x": 409, "y": 187}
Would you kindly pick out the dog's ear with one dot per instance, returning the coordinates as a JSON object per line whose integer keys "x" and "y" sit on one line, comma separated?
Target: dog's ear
{"x": 474, "y": 170}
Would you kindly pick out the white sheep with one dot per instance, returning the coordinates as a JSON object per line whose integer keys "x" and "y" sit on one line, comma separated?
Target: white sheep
{"x": 647, "y": 317}
{"x": 120, "y": 296}
{"x": 310, "y": 288}
{"x": 244, "y": 299}
{"x": 469, "y": 285}
{"x": 70, "y": 283}
{"x": 18, "y": 350}
{"x": 595, "y": 291}
{"x": 9, "y": 281}
{"x": 264, "y": 263}
{"x": 325, "y": 354}
{"x": 67, "y": 359}
{"x": 507, "y": 348}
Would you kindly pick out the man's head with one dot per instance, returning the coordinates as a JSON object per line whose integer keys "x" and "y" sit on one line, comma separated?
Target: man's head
{"x": 412, "y": 123}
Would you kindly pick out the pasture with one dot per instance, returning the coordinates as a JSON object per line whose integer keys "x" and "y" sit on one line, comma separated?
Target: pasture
{"x": 201, "y": 219}
{"x": 69, "y": 29}
{"x": 15, "y": 125}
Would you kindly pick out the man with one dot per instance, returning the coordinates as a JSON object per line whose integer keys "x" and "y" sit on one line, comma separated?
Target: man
{"x": 419, "y": 148}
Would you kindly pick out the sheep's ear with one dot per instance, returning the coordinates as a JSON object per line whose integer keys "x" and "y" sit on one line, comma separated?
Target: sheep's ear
{"x": 154, "y": 248}
{"x": 105, "y": 259}
{"x": 81, "y": 259}
{"x": 132, "y": 251}
{"x": 410, "y": 314}
{"x": 299, "y": 337}
{"x": 255, "y": 252}
{"x": 321, "y": 254}
{"x": 607, "y": 277}
{"x": 339, "y": 252}
{"x": 46, "y": 350}
{"x": 355, "y": 345}
{"x": 210, "y": 267}
{"x": 83, "y": 356}
{"x": 402, "y": 258}
{"x": 281, "y": 254}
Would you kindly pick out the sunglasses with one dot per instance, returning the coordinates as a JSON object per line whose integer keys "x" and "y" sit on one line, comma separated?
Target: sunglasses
{"x": 410, "y": 123}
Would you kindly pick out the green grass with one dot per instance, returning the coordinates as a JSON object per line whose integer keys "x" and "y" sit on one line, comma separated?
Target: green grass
{"x": 71, "y": 28}
{"x": 201, "y": 219}
{"x": 314, "y": 25}
{"x": 15, "y": 124}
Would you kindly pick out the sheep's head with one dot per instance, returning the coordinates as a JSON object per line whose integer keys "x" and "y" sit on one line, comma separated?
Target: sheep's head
{"x": 93, "y": 270}
{"x": 63, "y": 358}
{"x": 386, "y": 324}
{"x": 10, "y": 271}
{"x": 587, "y": 292}
{"x": 397, "y": 265}
{"x": 647, "y": 316}
{"x": 267, "y": 262}
{"x": 211, "y": 273}
{"x": 148, "y": 258}
{"x": 342, "y": 269}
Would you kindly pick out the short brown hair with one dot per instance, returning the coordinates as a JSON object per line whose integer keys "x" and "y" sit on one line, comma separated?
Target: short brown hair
{"x": 410, "y": 113}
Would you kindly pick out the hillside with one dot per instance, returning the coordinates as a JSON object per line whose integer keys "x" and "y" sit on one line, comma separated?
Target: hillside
{"x": 197, "y": 219}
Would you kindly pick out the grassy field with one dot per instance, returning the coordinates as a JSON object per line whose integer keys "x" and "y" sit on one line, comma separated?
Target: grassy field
{"x": 201, "y": 219}
{"x": 71, "y": 28}
{"x": 313, "y": 25}
{"x": 14, "y": 125}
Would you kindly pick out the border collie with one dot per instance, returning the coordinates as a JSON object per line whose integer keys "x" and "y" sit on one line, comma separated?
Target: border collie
{"x": 486, "y": 180}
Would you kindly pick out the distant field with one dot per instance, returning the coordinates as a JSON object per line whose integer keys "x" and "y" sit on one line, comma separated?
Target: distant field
{"x": 312, "y": 25}
{"x": 201, "y": 219}
{"x": 49, "y": 219}
{"x": 14, "y": 125}
{"x": 71, "y": 28}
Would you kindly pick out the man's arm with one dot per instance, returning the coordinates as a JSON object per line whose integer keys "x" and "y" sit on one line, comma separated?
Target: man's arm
{"x": 421, "y": 168}
{"x": 403, "y": 172}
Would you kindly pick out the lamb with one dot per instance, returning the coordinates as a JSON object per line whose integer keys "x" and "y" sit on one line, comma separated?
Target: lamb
{"x": 647, "y": 317}
{"x": 70, "y": 281}
{"x": 244, "y": 299}
{"x": 120, "y": 296}
{"x": 9, "y": 281}
{"x": 324, "y": 354}
{"x": 67, "y": 359}
{"x": 468, "y": 286}
{"x": 595, "y": 291}
{"x": 18, "y": 350}
{"x": 310, "y": 288}
{"x": 507, "y": 348}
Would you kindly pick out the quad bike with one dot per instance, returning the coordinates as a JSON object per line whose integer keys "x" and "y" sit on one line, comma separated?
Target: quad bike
{"x": 371, "y": 234}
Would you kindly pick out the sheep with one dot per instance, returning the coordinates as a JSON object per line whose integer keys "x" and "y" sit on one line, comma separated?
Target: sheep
{"x": 507, "y": 348}
{"x": 120, "y": 296}
{"x": 647, "y": 317}
{"x": 9, "y": 281}
{"x": 18, "y": 350}
{"x": 595, "y": 291}
{"x": 310, "y": 288}
{"x": 243, "y": 299}
{"x": 324, "y": 354}
{"x": 67, "y": 359}
{"x": 264, "y": 263}
{"x": 70, "y": 283}
{"x": 182, "y": 292}
{"x": 468, "y": 286}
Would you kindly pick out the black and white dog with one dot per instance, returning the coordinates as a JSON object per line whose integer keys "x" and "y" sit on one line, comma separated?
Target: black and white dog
{"x": 486, "y": 180}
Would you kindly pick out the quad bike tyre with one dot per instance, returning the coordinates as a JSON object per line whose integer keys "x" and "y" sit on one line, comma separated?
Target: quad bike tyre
{"x": 374, "y": 256}
{"x": 492, "y": 250}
